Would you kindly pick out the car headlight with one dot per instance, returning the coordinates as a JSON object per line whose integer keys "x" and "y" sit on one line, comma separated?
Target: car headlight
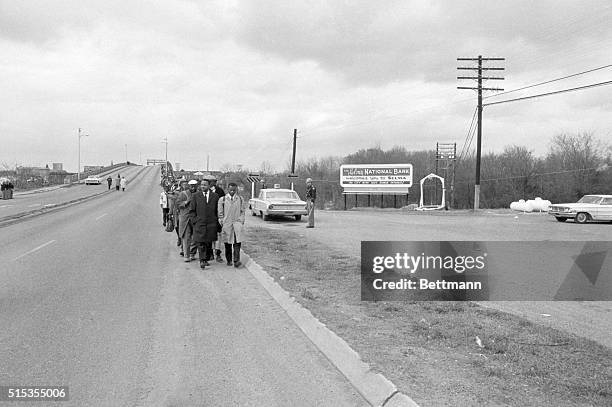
{"x": 270, "y": 206}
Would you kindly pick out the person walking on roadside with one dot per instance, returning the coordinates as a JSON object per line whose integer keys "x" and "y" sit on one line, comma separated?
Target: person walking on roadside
{"x": 185, "y": 231}
{"x": 109, "y": 180}
{"x": 311, "y": 196}
{"x": 219, "y": 191}
{"x": 123, "y": 183}
{"x": 117, "y": 182}
{"x": 204, "y": 218}
{"x": 231, "y": 217}
{"x": 163, "y": 203}
{"x": 173, "y": 210}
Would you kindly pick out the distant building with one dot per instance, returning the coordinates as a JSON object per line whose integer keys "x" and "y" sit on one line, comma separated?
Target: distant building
{"x": 33, "y": 172}
{"x": 59, "y": 177}
{"x": 58, "y": 166}
{"x": 177, "y": 166}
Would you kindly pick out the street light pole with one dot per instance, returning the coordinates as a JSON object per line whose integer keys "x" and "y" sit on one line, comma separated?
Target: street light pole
{"x": 79, "y": 166}
{"x": 166, "y": 141}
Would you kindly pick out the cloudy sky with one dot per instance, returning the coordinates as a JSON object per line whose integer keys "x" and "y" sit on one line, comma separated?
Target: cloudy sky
{"x": 232, "y": 79}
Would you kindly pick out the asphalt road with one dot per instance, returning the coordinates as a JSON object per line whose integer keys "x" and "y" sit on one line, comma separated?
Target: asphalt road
{"x": 27, "y": 202}
{"x": 95, "y": 297}
{"x": 344, "y": 230}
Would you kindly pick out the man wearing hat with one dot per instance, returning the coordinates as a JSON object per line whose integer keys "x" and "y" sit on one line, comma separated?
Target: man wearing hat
{"x": 219, "y": 191}
{"x": 311, "y": 196}
{"x": 185, "y": 230}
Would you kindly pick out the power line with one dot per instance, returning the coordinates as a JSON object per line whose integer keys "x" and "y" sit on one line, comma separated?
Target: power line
{"x": 466, "y": 146}
{"x": 593, "y": 85}
{"x": 550, "y": 81}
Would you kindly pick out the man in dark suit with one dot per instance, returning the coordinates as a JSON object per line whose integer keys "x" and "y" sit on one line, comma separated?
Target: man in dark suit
{"x": 212, "y": 182}
{"x": 204, "y": 218}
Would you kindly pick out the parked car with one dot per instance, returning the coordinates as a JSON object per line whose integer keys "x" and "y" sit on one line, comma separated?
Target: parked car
{"x": 93, "y": 180}
{"x": 281, "y": 202}
{"x": 588, "y": 208}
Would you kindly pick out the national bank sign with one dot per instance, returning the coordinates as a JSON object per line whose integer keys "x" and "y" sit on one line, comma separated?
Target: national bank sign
{"x": 376, "y": 178}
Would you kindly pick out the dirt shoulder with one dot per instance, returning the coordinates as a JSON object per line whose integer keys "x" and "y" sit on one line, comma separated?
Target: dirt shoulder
{"x": 438, "y": 353}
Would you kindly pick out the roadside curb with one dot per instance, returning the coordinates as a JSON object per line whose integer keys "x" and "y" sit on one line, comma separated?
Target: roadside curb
{"x": 374, "y": 387}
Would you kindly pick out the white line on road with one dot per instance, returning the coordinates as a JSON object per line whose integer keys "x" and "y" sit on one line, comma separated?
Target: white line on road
{"x": 5, "y": 206}
{"x": 101, "y": 216}
{"x": 33, "y": 205}
{"x": 35, "y": 249}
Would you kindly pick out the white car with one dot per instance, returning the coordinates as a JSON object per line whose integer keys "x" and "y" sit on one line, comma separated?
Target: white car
{"x": 93, "y": 180}
{"x": 281, "y": 202}
{"x": 588, "y": 208}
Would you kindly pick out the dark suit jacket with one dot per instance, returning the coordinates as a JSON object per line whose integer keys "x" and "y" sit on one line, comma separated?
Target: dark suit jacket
{"x": 204, "y": 216}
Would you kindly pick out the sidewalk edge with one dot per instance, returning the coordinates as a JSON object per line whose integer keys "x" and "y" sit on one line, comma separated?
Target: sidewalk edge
{"x": 374, "y": 387}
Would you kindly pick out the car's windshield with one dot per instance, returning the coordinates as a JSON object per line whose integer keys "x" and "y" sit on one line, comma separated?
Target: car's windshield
{"x": 590, "y": 199}
{"x": 282, "y": 195}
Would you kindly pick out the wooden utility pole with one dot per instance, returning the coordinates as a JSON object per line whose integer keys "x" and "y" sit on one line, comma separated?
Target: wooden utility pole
{"x": 293, "y": 157}
{"x": 479, "y": 78}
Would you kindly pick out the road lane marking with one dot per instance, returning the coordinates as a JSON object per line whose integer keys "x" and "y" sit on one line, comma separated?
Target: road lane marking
{"x": 101, "y": 216}
{"x": 33, "y": 205}
{"x": 5, "y": 206}
{"x": 35, "y": 249}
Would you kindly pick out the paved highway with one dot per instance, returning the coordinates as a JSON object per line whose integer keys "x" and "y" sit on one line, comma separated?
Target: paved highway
{"x": 95, "y": 297}
{"x": 28, "y": 202}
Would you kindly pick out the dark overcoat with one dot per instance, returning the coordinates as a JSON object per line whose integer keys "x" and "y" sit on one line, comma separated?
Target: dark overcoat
{"x": 204, "y": 217}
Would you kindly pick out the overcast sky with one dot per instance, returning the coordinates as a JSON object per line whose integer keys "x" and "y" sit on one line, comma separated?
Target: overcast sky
{"x": 234, "y": 78}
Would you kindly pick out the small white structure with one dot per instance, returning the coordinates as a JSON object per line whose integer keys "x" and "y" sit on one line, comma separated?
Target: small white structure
{"x": 442, "y": 205}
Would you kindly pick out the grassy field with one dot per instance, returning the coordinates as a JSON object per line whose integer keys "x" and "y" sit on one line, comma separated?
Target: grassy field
{"x": 439, "y": 353}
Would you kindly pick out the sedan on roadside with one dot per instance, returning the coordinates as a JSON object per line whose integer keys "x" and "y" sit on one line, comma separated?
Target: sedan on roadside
{"x": 93, "y": 180}
{"x": 279, "y": 202}
{"x": 588, "y": 208}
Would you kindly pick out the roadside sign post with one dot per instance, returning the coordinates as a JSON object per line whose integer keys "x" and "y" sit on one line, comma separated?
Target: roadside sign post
{"x": 253, "y": 178}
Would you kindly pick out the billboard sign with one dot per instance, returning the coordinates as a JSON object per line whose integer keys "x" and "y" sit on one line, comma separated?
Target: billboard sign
{"x": 376, "y": 178}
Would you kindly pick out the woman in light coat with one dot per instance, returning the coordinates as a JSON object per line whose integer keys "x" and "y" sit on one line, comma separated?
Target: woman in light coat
{"x": 231, "y": 217}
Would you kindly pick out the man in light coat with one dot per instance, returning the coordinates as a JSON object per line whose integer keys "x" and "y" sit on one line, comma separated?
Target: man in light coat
{"x": 183, "y": 201}
{"x": 231, "y": 217}
{"x": 163, "y": 203}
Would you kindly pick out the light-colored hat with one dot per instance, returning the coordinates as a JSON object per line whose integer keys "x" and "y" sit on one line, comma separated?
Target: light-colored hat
{"x": 308, "y": 179}
{"x": 193, "y": 182}
{"x": 212, "y": 178}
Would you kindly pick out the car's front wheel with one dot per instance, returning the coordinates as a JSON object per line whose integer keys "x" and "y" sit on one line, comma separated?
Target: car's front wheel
{"x": 560, "y": 219}
{"x": 582, "y": 217}
{"x": 298, "y": 217}
{"x": 264, "y": 216}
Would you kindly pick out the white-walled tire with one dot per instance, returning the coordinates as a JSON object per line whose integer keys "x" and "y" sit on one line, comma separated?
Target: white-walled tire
{"x": 582, "y": 217}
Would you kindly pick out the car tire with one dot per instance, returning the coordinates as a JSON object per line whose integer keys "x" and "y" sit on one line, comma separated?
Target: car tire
{"x": 298, "y": 217}
{"x": 582, "y": 217}
{"x": 264, "y": 216}
{"x": 560, "y": 219}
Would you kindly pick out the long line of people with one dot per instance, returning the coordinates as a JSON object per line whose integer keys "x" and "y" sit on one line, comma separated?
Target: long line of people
{"x": 206, "y": 220}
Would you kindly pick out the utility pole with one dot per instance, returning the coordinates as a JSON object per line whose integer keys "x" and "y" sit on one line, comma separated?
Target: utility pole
{"x": 479, "y": 78}
{"x": 207, "y": 162}
{"x": 126, "y": 153}
{"x": 79, "y": 166}
{"x": 293, "y": 156}
{"x": 166, "y": 141}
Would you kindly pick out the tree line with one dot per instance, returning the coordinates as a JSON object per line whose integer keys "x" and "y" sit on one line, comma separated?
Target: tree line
{"x": 574, "y": 165}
